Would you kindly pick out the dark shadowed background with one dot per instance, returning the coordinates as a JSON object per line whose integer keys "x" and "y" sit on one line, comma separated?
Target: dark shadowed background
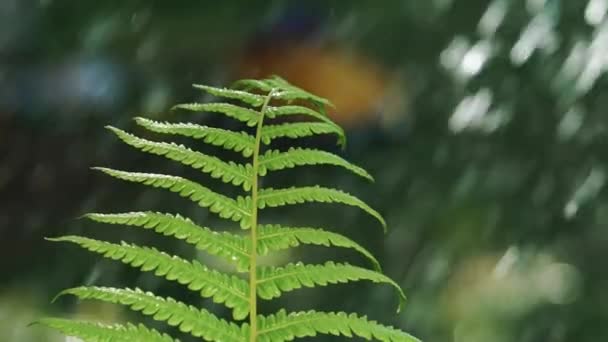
{"x": 484, "y": 123}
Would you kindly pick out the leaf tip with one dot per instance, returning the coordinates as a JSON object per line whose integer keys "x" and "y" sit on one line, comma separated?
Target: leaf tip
{"x": 200, "y": 86}
{"x": 176, "y": 107}
{"x": 139, "y": 119}
{"x": 401, "y": 304}
{"x": 83, "y": 216}
{"x": 29, "y": 325}
{"x": 60, "y": 294}
{"x": 100, "y": 168}
{"x": 54, "y": 239}
{"x": 119, "y": 132}
{"x": 368, "y": 176}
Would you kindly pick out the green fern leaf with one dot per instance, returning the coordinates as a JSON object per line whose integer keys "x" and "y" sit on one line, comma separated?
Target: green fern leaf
{"x": 243, "y": 96}
{"x": 283, "y": 90}
{"x": 230, "y": 247}
{"x": 222, "y": 288}
{"x": 273, "y": 112}
{"x": 253, "y": 102}
{"x": 252, "y": 84}
{"x": 225, "y": 207}
{"x": 97, "y": 332}
{"x": 228, "y": 172}
{"x": 248, "y": 116}
{"x": 197, "y": 322}
{"x": 235, "y": 141}
{"x": 273, "y": 238}
{"x": 279, "y": 197}
{"x": 290, "y": 92}
{"x": 286, "y": 327}
{"x": 273, "y": 281}
{"x": 275, "y": 160}
{"x": 297, "y": 130}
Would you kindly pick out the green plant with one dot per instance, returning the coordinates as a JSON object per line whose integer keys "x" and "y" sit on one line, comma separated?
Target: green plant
{"x": 266, "y": 99}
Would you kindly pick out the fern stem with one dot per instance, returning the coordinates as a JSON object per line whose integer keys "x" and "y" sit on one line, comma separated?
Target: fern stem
{"x": 254, "y": 224}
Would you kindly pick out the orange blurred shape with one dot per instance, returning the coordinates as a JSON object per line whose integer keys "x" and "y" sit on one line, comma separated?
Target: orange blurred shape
{"x": 355, "y": 85}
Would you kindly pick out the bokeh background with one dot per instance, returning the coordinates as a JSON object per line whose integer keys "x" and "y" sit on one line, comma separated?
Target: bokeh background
{"x": 484, "y": 123}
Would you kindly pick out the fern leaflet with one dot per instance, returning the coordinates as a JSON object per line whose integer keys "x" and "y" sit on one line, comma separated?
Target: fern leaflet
{"x": 230, "y": 247}
{"x": 297, "y": 130}
{"x": 97, "y": 332}
{"x": 274, "y": 160}
{"x": 225, "y": 207}
{"x": 222, "y": 288}
{"x": 236, "y": 141}
{"x": 273, "y": 238}
{"x": 286, "y": 327}
{"x": 248, "y": 116}
{"x": 294, "y": 195}
{"x": 273, "y": 281}
{"x": 228, "y": 172}
{"x": 273, "y": 112}
{"x": 282, "y": 90}
{"x": 254, "y": 100}
{"x": 197, "y": 322}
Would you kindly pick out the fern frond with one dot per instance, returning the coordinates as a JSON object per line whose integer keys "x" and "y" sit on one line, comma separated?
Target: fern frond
{"x": 97, "y": 332}
{"x": 228, "y": 208}
{"x": 227, "y": 172}
{"x": 254, "y": 103}
{"x": 275, "y": 160}
{"x": 279, "y": 197}
{"x": 222, "y": 288}
{"x": 273, "y": 281}
{"x": 232, "y": 248}
{"x": 273, "y": 238}
{"x": 248, "y": 116}
{"x": 297, "y": 130}
{"x": 273, "y": 112}
{"x": 235, "y": 141}
{"x": 197, "y": 322}
{"x": 249, "y": 98}
{"x": 286, "y": 327}
{"x": 283, "y": 90}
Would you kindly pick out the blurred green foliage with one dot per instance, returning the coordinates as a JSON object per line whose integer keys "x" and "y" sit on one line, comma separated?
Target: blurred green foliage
{"x": 488, "y": 142}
